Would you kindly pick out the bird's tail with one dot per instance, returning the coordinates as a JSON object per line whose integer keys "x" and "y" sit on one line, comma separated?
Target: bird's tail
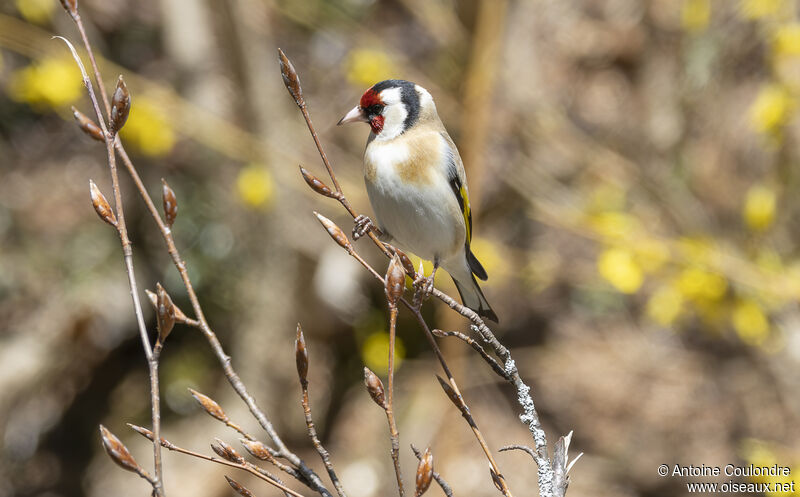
{"x": 472, "y": 297}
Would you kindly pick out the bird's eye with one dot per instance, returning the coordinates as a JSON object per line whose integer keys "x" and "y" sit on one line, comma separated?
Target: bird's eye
{"x": 375, "y": 110}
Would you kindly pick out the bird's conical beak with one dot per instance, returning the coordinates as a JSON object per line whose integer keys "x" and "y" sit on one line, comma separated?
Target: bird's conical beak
{"x": 355, "y": 115}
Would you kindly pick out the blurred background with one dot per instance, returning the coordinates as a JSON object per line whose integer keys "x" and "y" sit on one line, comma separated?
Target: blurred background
{"x": 634, "y": 181}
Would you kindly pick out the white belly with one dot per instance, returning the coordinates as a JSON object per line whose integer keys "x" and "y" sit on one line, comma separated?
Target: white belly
{"x": 422, "y": 218}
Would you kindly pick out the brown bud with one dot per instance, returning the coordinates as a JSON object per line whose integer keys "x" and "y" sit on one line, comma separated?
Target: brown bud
{"x": 120, "y": 107}
{"x": 290, "y": 79}
{"x": 301, "y": 356}
{"x": 424, "y": 473}
{"x": 180, "y": 317}
{"x": 395, "y": 281}
{"x": 142, "y": 431}
{"x": 336, "y": 232}
{"x": 407, "y": 265}
{"x": 210, "y": 406}
{"x": 87, "y": 125}
{"x": 149, "y": 435}
{"x": 451, "y": 394}
{"x": 317, "y": 185}
{"x": 152, "y": 297}
{"x": 239, "y": 487}
{"x": 257, "y": 449}
{"x": 71, "y": 6}
{"x": 375, "y": 387}
{"x": 118, "y": 453}
{"x": 497, "y": 480}
{"x": 170, "y": 203}
{"x": 165, "y": 313}
{"x": 227, "y": 452}
{"x": 101, "y": 205}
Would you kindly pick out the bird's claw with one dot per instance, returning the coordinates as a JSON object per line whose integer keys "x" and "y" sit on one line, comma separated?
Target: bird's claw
{"x": 423, "y": 287}
{"x": 363, "y": 225}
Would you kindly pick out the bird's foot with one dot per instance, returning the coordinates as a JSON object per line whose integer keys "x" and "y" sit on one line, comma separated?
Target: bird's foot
{"x": 363, "y": 225}
{"x": 423, "y": 286}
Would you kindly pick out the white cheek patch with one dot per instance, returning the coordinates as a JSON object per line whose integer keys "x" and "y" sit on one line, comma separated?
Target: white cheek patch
{"x": 425, "y": 98}
{"x": 394, "y": 114}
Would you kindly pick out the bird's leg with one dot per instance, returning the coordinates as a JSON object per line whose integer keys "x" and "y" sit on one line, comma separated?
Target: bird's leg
{"x": 424, "y": 285}
{"x": 363, "y": 225}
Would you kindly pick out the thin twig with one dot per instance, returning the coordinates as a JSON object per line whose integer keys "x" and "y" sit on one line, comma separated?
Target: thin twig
{"x": 478, "y": 348}
{"x": 436, "y": 476}
{"x": 393, "y": 434}
{"x": 122, "y": 230}
{"x": 523, "y": 448}
{"x": 301, "y": 358}
{"x": 245, "y": 466}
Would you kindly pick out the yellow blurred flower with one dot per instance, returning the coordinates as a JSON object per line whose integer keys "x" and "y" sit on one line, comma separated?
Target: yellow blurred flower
{"x": 695, "y": 14}
{"x": 614, "y": 225}
{"x": 772, "y": 109}
{"x": 375, "y": 352}
{"x": 51, "y": 83}
{"x": 36, "y": 11}
{"x": 366, "y": 67}
{"x": 618, "y": 267}
{"x": 787, "y": 40}
{"x": 758, "y": 211}
{"x": 760, "y": 453}
{"x": 255, "y": 185}
{"x": 665, "y": 305}
{"x": 701, "y": 285}
{"x": 149, "y": 128}
{"x": 757, "y": 9}
{"x": 697, "y": 250}
{"x": 651, "y": 254}
{"x": 750, "y": 322}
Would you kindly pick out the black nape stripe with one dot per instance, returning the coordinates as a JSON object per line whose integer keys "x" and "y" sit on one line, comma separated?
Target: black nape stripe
{"x": 408, "y": 95}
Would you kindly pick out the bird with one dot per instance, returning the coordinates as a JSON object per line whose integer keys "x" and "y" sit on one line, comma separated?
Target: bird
{"x": 417, "y": 185}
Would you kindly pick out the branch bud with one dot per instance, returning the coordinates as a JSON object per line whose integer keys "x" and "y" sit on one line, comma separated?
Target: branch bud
{"x": 120, "y": 454}
{"x": 290, "y": 79}
{"x": 170, "y": 203}
{"x": 317, "y": 185}
{"x": 101, "y": 205}
{"x": 301, "y": 357}
{"x": 120, "y": 107}
{"x": 335, "y": 232}
{"x": 407, "y": 265}
{"x": 451, "y": 394}
{"x": 257, "y": 449}
{"x": 227, "y": 452}
{"x": 497, "y": 480}
{"x": 165, "y": 313}
{"x": 424, "y": 473}
{"x": 375, "y": 387}
{"x": 87, "y": 125}
{"x": 71, "y": 6}
{"x": 210, "y": 406}
{"x": 180, "y": 317}
{"x": 149, "y": 435}
{"x": 240, "y": 489}
{"x": 395, "y": 281}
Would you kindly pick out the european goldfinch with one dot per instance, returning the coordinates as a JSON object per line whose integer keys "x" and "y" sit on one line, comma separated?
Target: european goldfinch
{"x": 416, "y": 184}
